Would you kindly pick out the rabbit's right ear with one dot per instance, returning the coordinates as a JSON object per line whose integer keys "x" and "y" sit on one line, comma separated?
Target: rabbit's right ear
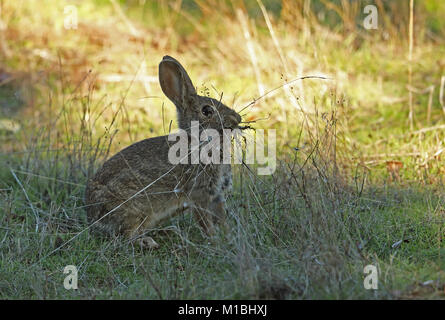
{"x": 174, "y": 81}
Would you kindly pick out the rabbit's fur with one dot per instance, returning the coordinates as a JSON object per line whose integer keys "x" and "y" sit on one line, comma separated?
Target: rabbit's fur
{"x": 138, "y": 187}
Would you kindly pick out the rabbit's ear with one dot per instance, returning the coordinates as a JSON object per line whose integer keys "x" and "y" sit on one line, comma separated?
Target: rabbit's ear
{"x": 174, "y": 81}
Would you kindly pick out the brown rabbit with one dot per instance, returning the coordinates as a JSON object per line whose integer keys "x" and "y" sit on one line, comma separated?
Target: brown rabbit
{"x": 138, "y": 187}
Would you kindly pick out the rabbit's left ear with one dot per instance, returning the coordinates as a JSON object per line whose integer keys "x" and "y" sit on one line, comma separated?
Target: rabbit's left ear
{"x": 175, "y": 82}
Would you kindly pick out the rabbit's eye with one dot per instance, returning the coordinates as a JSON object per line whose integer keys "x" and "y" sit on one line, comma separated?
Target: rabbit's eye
{"x": 207, "y": 110}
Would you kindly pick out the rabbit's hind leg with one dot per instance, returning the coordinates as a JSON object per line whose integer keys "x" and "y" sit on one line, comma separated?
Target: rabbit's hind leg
{"x": 142, "y": 240}
{"x": 146, "y": 242}
{"x": 136, "y": 233}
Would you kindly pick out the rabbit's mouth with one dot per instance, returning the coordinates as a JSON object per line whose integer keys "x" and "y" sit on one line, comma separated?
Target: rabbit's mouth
{"x": 231, "y": 127}
{"x": 245, "y": 128}
{"x": 238, "y": 127}
{"x": 232, "y": 122}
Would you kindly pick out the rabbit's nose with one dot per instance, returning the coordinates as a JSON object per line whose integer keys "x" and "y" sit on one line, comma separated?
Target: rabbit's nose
{"x": 232, "y": 121}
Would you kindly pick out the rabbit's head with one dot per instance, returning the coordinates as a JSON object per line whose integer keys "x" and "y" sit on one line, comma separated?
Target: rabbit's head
{"x": 190, "y": 106}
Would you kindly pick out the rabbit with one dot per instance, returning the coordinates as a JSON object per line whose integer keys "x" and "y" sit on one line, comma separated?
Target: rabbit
{"x": 138, "y": 187}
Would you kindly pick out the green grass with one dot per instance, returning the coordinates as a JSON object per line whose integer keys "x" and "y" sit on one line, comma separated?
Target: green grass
{"x": 304, "y": 233}
{"x": 276, "y": 247}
